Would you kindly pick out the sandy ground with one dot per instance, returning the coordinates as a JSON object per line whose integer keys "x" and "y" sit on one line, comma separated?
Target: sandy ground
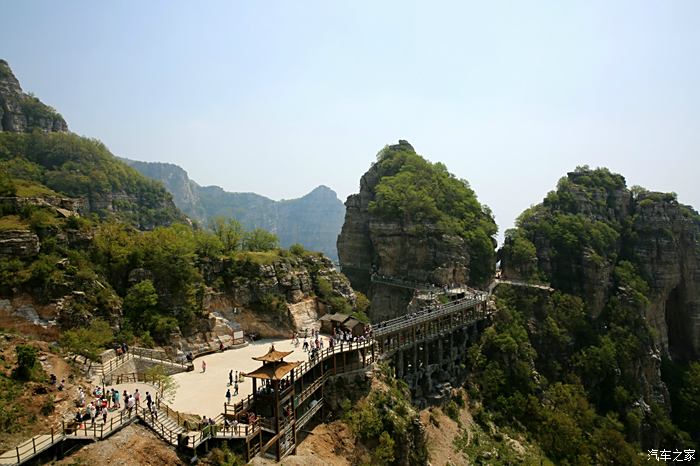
{"x": 133, "y": 445}
{"x": 205, "y": 393}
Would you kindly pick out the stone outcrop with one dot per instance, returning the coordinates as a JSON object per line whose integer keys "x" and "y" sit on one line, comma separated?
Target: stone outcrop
{"x": 417, "y": 252}
{"x": 18, "y": 243}
{"x": 21, "y": 112}
{"x": 313, "y": 220}
{"x": 666, "y": 249}
{"x": 293, "y": 278}
{"x": 660, "y": 236}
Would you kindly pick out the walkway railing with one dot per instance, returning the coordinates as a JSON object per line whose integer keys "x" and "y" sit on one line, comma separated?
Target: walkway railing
{"x": 86, "y": 430}
{"x": 304, "y": 418}
{"x": 337, "y": 348}
{"x": 400, "y": 323}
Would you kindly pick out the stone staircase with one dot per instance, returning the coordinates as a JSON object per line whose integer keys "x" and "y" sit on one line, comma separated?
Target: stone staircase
{"x": 164, "y": 426}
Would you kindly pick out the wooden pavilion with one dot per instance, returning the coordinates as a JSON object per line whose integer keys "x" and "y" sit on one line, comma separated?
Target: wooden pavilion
{"x": 273, "y": 397}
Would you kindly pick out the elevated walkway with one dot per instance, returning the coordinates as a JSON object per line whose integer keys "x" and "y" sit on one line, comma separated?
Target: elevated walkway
{"x": 387, "y": 337}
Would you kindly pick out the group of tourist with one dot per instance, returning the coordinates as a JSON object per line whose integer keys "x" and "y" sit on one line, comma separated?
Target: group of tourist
{"x": 233, "y": 381}
{"x": 121, "y": 349}
{"x": 110, "y": 400}
{"x": 53, "y": 379}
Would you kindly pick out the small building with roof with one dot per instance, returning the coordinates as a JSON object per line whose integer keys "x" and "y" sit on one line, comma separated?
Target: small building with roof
{"x": 330, "y": 322}
{"x": 355, "y": 327}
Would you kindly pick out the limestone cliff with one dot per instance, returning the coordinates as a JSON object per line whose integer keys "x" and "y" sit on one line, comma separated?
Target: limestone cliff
{"x": 21, "y": 112}
{"x": 395, "y": 227}
{"x": 592, "y": 223}
{"x": 313, "y": 220}
{"x": 185, "y": 192}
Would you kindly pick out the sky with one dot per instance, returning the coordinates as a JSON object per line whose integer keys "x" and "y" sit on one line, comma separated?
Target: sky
{"x": 278, "y": 97}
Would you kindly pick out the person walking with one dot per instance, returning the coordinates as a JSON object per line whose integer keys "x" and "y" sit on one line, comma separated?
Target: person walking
{"x": 137, "y": 398}
{"x": 104, "y": 415}
{"x": 228, "y": 396}
{"x": 204, "y": 367}
{"x": 230, "y": 377}
{"x": 235, "y": 388}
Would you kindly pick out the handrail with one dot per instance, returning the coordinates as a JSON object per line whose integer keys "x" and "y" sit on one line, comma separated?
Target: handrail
{"x": 304, "y": 418}
{"x": 240, "y": 406}
{"x": 160, "y": 428}
{"x": 398, "y": 323}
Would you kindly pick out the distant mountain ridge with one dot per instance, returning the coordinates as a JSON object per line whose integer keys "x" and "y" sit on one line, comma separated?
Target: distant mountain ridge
{"x": 313, "y": 220}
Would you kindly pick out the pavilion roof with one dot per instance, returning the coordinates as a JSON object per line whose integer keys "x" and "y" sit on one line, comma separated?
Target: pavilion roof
{"x": 274, "y": 371}
{"x": 273, "y": 355}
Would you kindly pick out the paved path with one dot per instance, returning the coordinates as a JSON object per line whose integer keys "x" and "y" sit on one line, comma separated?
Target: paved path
{"x": 204, "y": 393}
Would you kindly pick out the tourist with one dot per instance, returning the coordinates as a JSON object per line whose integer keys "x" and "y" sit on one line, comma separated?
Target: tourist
{"x": 230, "y": 378}
{"x": 221, "y": 346}
{"x": 149, "y": 400}
{"x": 130, "y": 404}
{"x": 204, "y": 366}
{"x": 92, "y": 411}
{"x": 137, "y": 397}
{"x": 104, "y": 415}
{"x": 228, "y": 396}
{"x": 53, "y": 379}
{"x": 305, "y": 346}
{"x": 235, "y": 388}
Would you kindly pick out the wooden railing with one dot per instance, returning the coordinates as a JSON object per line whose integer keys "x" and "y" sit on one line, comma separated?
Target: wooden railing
{"x": 308, "y": 391}
{"x": 241, "y": 406}
{"x": 166, "y": 433}
{"x": 338, "y": 348}
{"x": 171, "y": 413}
{"x": 32, "y": 447}
{"x": 409, "y": 320}
{"x": 304, "y": 418}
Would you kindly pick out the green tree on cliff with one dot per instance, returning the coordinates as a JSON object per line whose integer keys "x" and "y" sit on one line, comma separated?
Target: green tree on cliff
{"x": 416, "y": 192}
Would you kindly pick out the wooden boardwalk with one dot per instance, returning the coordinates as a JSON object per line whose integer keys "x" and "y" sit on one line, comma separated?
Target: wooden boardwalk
{"x": 305, "y": 392}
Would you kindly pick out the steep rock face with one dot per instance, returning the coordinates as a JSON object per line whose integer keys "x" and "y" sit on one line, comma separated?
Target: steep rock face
{"x": 313, "y": 220}
{"x": 20, "y": 112}
{"x": 18, "y": 243}
{"x": 666, "y": 248}
{"x": 293, "y": 278}
{"x": 185, "y": 192}
{"x": 659, "y": 236}
{"x": 405, "y": 247}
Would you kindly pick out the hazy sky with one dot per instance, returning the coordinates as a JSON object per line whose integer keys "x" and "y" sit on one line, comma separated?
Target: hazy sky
{"x": 277, "y": 97}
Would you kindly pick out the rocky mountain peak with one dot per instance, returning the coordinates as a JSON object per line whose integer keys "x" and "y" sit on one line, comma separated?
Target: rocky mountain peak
{"x": 21, "y": 112}
{"x": 399, "y": 226}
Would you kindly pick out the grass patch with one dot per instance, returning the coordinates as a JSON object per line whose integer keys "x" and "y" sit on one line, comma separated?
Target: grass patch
{"x": 257, "y": 257}
{"x": 26, "y": 188}
{"x": 12, "y": 222}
